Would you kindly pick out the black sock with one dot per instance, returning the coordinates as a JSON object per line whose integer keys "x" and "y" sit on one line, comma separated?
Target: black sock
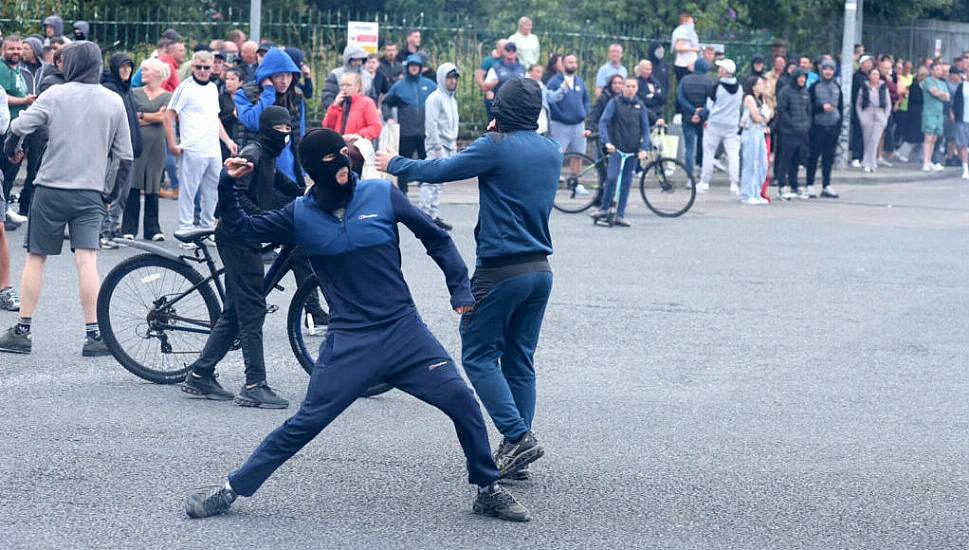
{"x": 91, "y": 329}
{"x": 23, "y": 325}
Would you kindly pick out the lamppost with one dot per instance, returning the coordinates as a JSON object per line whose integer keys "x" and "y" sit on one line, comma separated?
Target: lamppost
{"x": 255, "y": 20}
{"x": 850, "y": 36}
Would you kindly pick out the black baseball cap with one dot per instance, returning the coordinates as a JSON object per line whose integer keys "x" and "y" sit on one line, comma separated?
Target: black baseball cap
{"x": 510, "y": 47}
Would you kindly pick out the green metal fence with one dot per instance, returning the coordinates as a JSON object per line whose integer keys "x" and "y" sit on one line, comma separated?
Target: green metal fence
{"x": 322, "y": 35}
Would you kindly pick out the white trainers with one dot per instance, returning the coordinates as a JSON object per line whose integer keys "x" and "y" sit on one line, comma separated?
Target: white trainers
{"x": 581, "y": 191}
{"x": 128, "y": 237}
{"x": 811, "y": 193}
{"x": 786, "y": 193}
{"x": 702, "y": 187}
{"x": 158, "y": 237}
{"x": 901, "y": 158}
{"x": 926, "y": 167}
{"x": 734, "y": 189}
{"x": 937, "y": 167}
{"x": 856, "y": 163}
{"x": 15, "y": 216}
{"x": 885, "y": 163}
{"x": 754, "y": 201}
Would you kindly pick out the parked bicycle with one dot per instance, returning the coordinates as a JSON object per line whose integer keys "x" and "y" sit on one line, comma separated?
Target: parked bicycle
{"x": 667, "y": 187}
{"x": 155, "y": 310}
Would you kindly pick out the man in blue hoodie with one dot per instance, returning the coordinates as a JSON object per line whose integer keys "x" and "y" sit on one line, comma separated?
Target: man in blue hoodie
{"x": 276, "y": 83}
{"x": 567, "y": 112}
{"x": 517, "y": 172}
{"x": 409, "y": 95}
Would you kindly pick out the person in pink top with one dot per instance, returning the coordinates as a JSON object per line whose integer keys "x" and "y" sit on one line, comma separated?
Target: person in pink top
{"x": 353, "y": 114}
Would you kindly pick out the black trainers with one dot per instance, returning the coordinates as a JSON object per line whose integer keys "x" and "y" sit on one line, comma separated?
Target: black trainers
{"x": 512, "y": 456}
{"x": 521, "y": 474}
{"x": 261, "y": 396}
{"x": 443, "y": 224}
{"x": 495, "y": 501}
{"x": 94, "y": 347}
{"x": 206, "y": 387}
{"x": 15, "y": 342}
{"x": 210, "y": 501}
{"x": 9, "y": 300}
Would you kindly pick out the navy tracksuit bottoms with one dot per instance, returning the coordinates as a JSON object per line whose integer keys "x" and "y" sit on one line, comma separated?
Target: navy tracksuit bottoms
{"x": 402, "y": 353}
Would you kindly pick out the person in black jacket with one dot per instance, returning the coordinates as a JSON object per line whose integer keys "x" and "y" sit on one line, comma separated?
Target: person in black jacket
{"x": 227, "y": 107}
{"x": 691, "y": 102}
{"x": 245, "y": 306}
{"x": 826, "y": 105}
{"x": 624, "y": 127}
{"x": 652, "y": 91}
{"x": 858, "y": 79}
{"x": 794, "y": 123}
{"x": 118, "y": 79}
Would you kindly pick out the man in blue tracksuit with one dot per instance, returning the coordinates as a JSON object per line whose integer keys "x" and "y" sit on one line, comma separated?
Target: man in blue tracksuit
{"x": 348, "y": 228}
{"x": 517, "y": 172}
{"x": 624, "y": 127}
{"x": 409, "y": 95}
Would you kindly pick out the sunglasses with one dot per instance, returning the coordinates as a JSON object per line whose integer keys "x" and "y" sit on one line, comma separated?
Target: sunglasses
{"x": 203, "y": 67}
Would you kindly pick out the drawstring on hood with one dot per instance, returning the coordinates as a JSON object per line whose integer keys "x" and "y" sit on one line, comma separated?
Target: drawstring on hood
{"x": 518, "y": 105}
{"x": 82, "y": 62}
{"x": 316, "y": 145}
{"x": 270, "y": 138}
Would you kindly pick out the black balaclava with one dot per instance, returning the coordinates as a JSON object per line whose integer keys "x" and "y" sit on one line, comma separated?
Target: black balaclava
{"x": 270, "y": 138}
{"x": 518, "y": 105}
{"x": 315, "y": 145}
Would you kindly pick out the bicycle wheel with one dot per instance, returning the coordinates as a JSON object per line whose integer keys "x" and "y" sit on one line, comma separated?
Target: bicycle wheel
{"x": 306, "y": 325}
{"x": 579, "y": 184}
{"x": 155, "y": 316}
{"x": 667, "y": 187}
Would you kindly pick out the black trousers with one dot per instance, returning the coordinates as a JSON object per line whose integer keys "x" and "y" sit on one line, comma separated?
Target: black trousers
{"x": 132, "y": 211}
{"x": 409, "y": 145}
{"x": 793, "y": 153}
{"x": 824, "y": 143}
{"x": 36, "y": 146}
{"x": 857, "y": 141}
{"x": 10, "y": 171}
{"x": 302, "y": 271}
{"x": 242, "y": 315}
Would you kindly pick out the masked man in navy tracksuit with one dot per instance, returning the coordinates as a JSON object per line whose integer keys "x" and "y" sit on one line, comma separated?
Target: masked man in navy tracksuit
{"x": 348, "y": 228}
{"x": 517, "y": 172}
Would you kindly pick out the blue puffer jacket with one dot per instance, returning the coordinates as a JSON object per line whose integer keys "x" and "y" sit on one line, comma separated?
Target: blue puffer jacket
{"x": 409, "y": 95}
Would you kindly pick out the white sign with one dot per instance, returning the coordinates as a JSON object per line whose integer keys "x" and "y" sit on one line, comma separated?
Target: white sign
{"x": 364, "y": 34}
{"x": 938, "y": 47}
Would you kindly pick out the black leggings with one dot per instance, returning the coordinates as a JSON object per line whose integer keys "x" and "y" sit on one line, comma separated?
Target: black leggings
{"x": 408, "y": 146}
{"x": 132, "y": 211}
{"x": 793, "y": 152}
{"x": 824, "y": 142}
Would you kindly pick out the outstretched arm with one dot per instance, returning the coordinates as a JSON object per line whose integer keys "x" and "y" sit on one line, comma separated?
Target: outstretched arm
{"x": 275, "y": 226}
{"x": 439, "y": 246}
{"x": 473, "y": 161}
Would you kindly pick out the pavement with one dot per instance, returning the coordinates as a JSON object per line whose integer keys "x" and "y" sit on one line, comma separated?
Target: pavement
{"x": 751, "y": 377}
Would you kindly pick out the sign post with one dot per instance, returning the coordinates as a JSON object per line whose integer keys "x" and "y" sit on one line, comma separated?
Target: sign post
{"x": 847, "y": 72}
{"x": 365, "y": 34}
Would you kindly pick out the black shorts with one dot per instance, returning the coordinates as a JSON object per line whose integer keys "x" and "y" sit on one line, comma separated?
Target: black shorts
{"x": 52, "y": 209}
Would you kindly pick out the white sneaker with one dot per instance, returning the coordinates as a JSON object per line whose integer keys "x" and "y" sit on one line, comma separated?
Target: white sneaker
{"x": 157, "y": 237}
{"x": 926, "y": 167}
{"x": 15, "y": 217}
{"x": 786, "y": 194}
{"x": 718, "y": 166}
{"x": 702, "y": 187}
{"x": 885, "y": 163}
{"x": 734, "y": 189}
{"x": 811, "y": 193}
{"x": 901, "y": 158}
{"x": 762, "y": 200}
{"x": 128, "y": 237}
{"x": 868, "y": 170}
{"x": 965, "y": 174}
{"x": 754, "y": 201}
{"x": 937, "y": 167}
{"x": 581, "y": 191}
{"x": 856, "y": 163}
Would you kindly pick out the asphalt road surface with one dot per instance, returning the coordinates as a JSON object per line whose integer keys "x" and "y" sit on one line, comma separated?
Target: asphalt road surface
{"x": 792, "y": 376}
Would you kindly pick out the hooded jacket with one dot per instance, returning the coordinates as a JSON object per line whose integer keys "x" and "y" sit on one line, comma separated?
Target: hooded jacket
{"x": 81, "y": 30}
{"x": 52, "y": 77}
{"x": 252, "y": 99}
{"x": 409, "y": 95}
{"x": 331, "y": 86}
{"x": 826, "y": 91}
{"x": 305, "y": 84}
{"x": 794, "y": 108}
{"x": 111, "y": 79}
{"x": 441, "y": 114}
{"x": 693, "y": 90}
{"x": 661, "y": 71}
{"x": 723, "y": 103}
{"x": 58, "y": 24}
{"x": 595, "y": 114}
{"x": 362, "y": 118}
{"x": 33, "y": 73}
{"x": 86, "y": 123}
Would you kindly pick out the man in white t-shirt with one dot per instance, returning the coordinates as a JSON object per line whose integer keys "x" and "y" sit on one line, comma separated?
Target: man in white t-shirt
{"x": 195, "y": 105}
{"x": 527, "y": 43}
{"x": 686, "y": 45}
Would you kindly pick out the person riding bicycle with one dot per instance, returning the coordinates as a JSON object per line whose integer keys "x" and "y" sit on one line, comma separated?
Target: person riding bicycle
{"x": 245, "y": 306}
{"x": 623, "y": 128}
{"x": 349, "y": 230}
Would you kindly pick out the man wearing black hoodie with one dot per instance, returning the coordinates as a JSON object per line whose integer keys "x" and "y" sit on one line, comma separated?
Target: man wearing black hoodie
{"x": 245, "y": 306}
{"x": 661, "y": 71}
{"x": 118, "y": 79}
{"x": 794, "y": 123}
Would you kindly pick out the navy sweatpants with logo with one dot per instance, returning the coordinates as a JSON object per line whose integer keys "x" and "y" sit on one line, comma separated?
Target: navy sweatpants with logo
{"x": 402, "y": 353}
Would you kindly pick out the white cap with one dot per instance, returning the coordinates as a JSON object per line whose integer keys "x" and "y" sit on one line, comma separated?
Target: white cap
{"x": 727, "y": 65}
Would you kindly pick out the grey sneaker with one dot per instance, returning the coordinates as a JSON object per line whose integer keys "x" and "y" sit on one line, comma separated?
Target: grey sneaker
{"x": 521, "y": 474}
{"x": 15, "y": 342}
{"x": 95, "y": 347}
{"x": 261, "y": 396}
{"x": 494, "y": 500}
{"x": 210, "y": 501}
{"x": 108, "y": 244}
{"x": 206, "y": 387}
{"x": 9, "y": 300}
{"x": 512, "y": 456}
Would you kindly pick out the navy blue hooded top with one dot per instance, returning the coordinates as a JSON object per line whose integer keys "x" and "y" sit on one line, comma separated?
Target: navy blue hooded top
{"x": 356, "y": 258}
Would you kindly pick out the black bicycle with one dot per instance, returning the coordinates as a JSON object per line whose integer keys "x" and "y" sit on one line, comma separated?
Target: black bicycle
{"x": 155, "y": 310}
{"x": 667, "y": 187}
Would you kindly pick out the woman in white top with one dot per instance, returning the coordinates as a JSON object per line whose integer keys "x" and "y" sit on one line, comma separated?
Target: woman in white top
{"x": 755, "y": 115}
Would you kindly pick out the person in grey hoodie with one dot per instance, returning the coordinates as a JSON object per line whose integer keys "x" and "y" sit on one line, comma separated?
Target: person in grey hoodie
{"x": 722, "y": 115}
{"x": 53, "y": 28}
{"x": 440, "y": 134}
{"x": 354, "y": 58}
{"x": 86, "y": 124}
{"x": 826, "y": 104}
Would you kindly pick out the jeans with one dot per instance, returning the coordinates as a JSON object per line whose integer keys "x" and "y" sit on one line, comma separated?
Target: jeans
{"x": 171, "y": 169}
{"x": 612, "y": 176}
{"x": 691, "y": 134}
{"x": 498, "y": 341}
{"x": 754, "y": 172}
{"x": 403, "y": 354}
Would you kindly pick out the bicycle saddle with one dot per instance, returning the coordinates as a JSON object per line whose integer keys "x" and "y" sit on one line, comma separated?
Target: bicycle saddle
{"x": 193, "y": 235}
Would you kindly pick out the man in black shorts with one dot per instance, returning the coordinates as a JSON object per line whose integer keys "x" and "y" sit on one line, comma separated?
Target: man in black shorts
{"x": 86, "y": 122}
